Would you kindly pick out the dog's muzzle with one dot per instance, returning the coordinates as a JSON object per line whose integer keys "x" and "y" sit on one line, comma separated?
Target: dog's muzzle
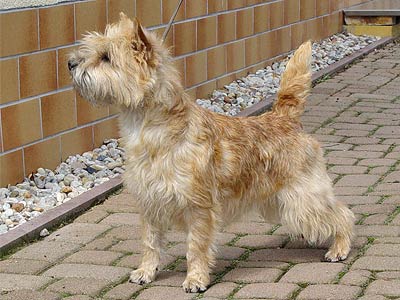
{"x": 72, "y": 64}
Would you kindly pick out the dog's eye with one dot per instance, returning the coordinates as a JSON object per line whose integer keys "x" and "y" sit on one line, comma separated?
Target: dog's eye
{"x": 105, "y": 57}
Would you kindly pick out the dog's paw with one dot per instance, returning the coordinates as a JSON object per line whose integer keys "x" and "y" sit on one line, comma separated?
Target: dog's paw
{"x": 193, "y": 285}
{"x": 141, "y": 276}
{"x": 335, "y": 256}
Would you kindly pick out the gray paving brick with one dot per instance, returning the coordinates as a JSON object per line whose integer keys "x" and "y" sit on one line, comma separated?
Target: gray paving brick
{"x": 388, "y": 288}
{"x": 22, "y": 266}
{"x": 78, "y": 286}
{"x": 79, "y": 233}
{"x": 221, "y": 290}
{"x": 388, "y": 275}
{"x": 46, "y": 251}
{"x": 377, "y": 230}
{"x": 163, "y": 293}
{"x": 262, "y": 241}
{"x": 134, "y": 246}
{"x": 384, "y": 250}
{"x": 357, "y": 277}
{"x": 93, "y": 216}
{"x": 377, "y": 263}
{"x": 329, "y": 292}
{"x": 288, "y": 255}
{"x": 266, "y": 291}
{"x": 29, "y": 294}
{"x": 252, "y": 275}
{"x": 248, "y": 228}
{"x": 313, "y": 273}
{"x": 358, "y": 180}
{"x": 93, "y": 257}
{"x": 122, "y": 291}
{"x": 122, "y": 219}
{"x": 108, "y": 273}
{"x": 9, "y": 282}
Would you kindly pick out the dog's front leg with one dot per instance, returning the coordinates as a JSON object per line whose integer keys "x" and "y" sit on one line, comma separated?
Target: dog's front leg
{"x": 200, "y": 255}
{"x": 152, "y": 242}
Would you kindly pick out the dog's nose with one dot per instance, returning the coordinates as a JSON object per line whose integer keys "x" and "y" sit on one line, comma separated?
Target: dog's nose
{"x": 72, "y": 64}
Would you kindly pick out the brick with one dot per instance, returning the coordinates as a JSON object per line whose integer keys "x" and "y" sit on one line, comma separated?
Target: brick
{"x": 377, "y": 263}
{"x": 78, "y": 297}
{"x": 348, "y": 169}
{"x": 93, "y": 216}
{"x": 221, "y": 290}
{"x": 122, "y": 291}
{"x": 125, "y": 233}
{"x": 133, "y": 261}
{"x": 134, "y": 246}
{"x": 288, "y": 255}
{"x": 384, "y": 250}
{"x": 378, "y": 230}
{"x": 102, "y": 243}
{"x": 79, "y": 233}
{"x": 358, "y": 277}
{"x": 355, "y": 154}
{"x": 170, "y": 278}
{"x": 261, "y": 241}
{"x": 122, "y": 219}
{"x": 163, "y": 292}
{"x": 329, "y": 291}
{"x": 252, "y": 275}
{"x": 267, "y": 290}
{"x": 263, "y": 264}
{"x": 228, "y": 252}
{"x": 349, "y": 190}
{"x": 383, "y": 287}
{"x": 74, "y": 286}
{"x": 22, "y": 266}
{"x": 377, "y": 219}
{"x": 46, "y": 251}
{"x": 93, "y": 257}
{"x": 29, "y": 294}
{"x": 388, "y": 275}
{"x": 372, "y": 297}
{"x": 107, "y": 273}
{"x": 9, "y": 282}
{"x": 312, "y": 273}
{"x": 358, "y": 180}
{"x": 356, "y": 200}
{"x": 373, "y": 208}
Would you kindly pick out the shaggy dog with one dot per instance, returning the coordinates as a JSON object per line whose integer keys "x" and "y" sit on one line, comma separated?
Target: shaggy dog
{"x": 195, "y": 170}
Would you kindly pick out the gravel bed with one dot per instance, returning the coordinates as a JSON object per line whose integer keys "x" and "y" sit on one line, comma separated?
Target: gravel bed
{"x": 46, "y": 188}
{"x": 253, "y": 88}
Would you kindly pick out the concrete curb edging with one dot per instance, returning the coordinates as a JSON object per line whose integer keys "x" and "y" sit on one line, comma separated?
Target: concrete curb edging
{"x": 266, "y": 104}
{"x": 30, "y": 230}
{"x": 55, "y": 216}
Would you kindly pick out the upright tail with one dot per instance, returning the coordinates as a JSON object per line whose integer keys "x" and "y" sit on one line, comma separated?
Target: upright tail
{"x": 295, "y": 84}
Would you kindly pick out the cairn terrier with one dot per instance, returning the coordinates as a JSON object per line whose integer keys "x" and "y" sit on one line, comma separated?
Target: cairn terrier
{"x": 195, "y": 170}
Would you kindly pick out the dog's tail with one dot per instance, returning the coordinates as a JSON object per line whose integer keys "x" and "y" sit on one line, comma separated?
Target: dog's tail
{"x": 295, "y": 84}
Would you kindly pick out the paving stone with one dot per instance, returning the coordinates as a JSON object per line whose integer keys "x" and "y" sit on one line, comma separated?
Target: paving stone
{"x": 78, "y": 297}
{"x": 46, "y": 251}
{"x": 108, "y": 273}
{"x": 22, "y": 266}
{"x": 358, "y": 277}
{"x": 170, "y": 278}
{"x": 101, "y": 243}
{"x": 377, "y": 230}
{"x": 92, "y": 216}
{"x": 29, "y": 294}
{"x": 374, "y": 162}
{"x": 263, "y": 264}
{"x": 252, "y": 275}
{"x": 134, "y": 246}
{"x": 122, "y": 219}
{"x": 348, "y": 169}
{"x": 312, "y": 273}
{"x": 355, "y": 200}
{"x": 122, "y": 291}
{"x": 373, "y": 208}
{"x": 388, "y": 288}
{"x": 262, "y": 241}
{"x": 377, "y": 219}
{"x": 288, "y": 255}
{"x": 248, "y": 228}
{"x": 329, "y": 292}
{"x": 349, "y": 190}
{"x": 341, "y": 161}
{"x": 134, "y": 260}
{"x": 78, "y": 233}
{"x": 93, "y": 257}
{"x": 266, "y": 290}
{"x": 220, "y": 266}
{"x": 9, "y": 282}
{"x": 163, "y": 293}
{"x": 125, "y": 232}
{"x": 377, "y": 263}
{"x": 75, "y": 286}
{"x": 384, "y": 250}
{"x": 221, "y": 290}
{"x": 358, "y": 180}
{"x": 355, "y": 154}
{"x": 388, "y": 275}
{"x": 372, "y": 297}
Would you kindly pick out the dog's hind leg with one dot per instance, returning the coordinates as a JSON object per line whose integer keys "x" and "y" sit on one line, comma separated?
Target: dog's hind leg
{"x": 200, "y": 254}
{"x": 152, "y": 241}
{"x": 310, "y": 210}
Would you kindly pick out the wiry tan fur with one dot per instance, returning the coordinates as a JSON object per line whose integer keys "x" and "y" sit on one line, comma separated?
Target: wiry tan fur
{"x": 196, "y": 170}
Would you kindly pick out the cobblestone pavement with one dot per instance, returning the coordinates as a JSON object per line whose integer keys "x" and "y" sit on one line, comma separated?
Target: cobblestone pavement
{"x": 356, "y": 115}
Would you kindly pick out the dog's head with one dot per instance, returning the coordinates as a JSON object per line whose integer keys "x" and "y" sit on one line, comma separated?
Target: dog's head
{"x": 119, "y": 66}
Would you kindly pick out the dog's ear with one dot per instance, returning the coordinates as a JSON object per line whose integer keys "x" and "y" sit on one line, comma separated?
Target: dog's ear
{"x": 140, "y": 33}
